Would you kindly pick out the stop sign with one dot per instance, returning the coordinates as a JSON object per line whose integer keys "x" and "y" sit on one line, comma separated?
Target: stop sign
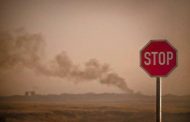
{"x": 158, "y": 58}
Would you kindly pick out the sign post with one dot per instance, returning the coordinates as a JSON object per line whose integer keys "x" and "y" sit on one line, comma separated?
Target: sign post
{"x": 158, "y": 58}
{"x": 158, "y": 99}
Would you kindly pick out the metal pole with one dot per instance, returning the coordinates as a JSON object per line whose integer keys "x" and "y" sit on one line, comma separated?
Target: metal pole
{"x": 158, "y": 99}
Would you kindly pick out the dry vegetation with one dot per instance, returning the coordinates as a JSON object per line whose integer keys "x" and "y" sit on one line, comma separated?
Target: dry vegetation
{"x": 78, "y": 111}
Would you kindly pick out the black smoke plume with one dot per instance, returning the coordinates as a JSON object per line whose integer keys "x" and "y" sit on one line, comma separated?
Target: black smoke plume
{"x": 19, "y": 49}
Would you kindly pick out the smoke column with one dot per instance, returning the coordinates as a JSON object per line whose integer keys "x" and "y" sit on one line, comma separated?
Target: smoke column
{"x": 20, "y": 50}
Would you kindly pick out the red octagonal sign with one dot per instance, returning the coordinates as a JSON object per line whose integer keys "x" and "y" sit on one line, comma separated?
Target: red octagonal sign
{"x": 158, "y": 58}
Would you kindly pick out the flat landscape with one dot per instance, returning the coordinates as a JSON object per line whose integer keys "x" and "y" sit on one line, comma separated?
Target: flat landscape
{"x": 92, "y": 108}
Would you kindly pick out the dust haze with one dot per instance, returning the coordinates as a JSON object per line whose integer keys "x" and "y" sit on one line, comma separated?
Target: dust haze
{"x": 82, "y": 46}
{"x": 78, "y": 60}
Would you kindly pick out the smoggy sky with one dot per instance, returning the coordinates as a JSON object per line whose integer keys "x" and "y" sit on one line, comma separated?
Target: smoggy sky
{"x": 111, "y": 32}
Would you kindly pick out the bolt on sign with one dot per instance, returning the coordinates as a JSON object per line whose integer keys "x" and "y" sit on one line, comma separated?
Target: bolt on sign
{"x": 158, "y": 58}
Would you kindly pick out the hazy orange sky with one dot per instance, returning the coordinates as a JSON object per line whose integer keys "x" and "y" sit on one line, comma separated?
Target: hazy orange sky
{"x": 111, "y": 31}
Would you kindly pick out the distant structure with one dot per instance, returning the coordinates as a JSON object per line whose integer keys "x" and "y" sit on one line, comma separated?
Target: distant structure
{"x": 26, "y": 93}
{"x": 30, "y": 93}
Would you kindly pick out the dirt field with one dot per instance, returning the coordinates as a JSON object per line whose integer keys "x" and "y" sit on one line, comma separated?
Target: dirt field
{"x": 38, "y": 111}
